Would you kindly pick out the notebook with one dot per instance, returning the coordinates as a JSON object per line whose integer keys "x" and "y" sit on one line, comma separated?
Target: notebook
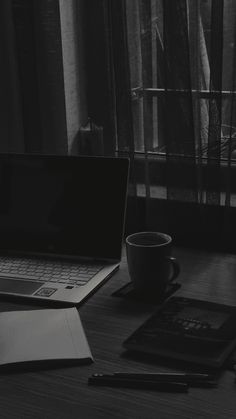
{"x": 42, "y": 338}
{"x": 61, "y": 224}
{"x": 187, "y": 329}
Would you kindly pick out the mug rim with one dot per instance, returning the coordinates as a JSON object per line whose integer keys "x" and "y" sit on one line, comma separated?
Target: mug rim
{"x": 156, "y": 233}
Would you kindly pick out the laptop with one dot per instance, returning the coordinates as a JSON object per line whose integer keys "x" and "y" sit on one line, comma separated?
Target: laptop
{"x": 61, "y": 224}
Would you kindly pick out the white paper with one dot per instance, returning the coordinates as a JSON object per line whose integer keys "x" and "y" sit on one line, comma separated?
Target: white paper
{"x": 37, "y": 335}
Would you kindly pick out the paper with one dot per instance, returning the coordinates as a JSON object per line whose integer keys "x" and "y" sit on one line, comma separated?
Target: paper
{"x": 37, "y": 335}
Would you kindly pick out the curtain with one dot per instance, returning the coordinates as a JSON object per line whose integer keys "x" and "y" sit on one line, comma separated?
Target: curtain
{"x": 99, "y": 58}
{"x": 175, "y": 96}
{"x": 33, "y": 117}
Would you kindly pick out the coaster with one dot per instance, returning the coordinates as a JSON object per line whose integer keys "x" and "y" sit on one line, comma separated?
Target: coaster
{"x": 127, "y": 291}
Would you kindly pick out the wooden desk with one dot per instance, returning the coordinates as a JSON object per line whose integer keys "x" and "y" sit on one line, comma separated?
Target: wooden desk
{"x": 108, "y": 320}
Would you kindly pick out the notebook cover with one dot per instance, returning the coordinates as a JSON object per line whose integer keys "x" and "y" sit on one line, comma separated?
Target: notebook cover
{"x": 190, "y": 330}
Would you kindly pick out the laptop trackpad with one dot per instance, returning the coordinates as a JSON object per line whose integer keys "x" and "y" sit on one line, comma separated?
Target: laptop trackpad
{"x": 18, "y": 286}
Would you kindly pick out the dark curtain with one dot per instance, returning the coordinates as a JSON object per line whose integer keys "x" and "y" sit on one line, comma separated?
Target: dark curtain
{"x": 173, "y": 64}
{"x": 100, "y": 70}
{"x": 33, "y": 117}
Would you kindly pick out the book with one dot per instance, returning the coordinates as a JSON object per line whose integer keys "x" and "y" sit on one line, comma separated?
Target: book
{"x": 186, "y": 329}
{"x": 42, "y": 336}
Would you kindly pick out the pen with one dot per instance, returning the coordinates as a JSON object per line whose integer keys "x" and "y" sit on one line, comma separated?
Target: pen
{"x": 113, "y": 381}
{"x": 167, "y": 377}
{"x": 193, "y": 380}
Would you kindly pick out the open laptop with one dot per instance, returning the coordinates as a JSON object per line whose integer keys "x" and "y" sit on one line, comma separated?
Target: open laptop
{"x": 61, "y": 224}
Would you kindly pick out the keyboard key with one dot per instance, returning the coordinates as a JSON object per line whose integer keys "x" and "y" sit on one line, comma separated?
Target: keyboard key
{"x": 47, "y": 271}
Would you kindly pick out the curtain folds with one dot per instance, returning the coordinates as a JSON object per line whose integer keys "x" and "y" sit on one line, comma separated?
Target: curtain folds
{"x": 11, "y": 113}
{"x": 180, "y": 56}
{"x": 33, "y": 116}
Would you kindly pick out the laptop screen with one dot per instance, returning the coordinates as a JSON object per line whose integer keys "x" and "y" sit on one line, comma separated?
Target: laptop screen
{"x": 66, "y": 205}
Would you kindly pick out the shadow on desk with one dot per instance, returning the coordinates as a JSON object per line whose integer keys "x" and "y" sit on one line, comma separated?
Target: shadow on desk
{"x": 40, "y": 366}
{"x": 154, "y": 361}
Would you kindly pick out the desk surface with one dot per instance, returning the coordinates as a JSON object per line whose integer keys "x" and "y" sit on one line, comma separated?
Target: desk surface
{"x": 108, "y": 320}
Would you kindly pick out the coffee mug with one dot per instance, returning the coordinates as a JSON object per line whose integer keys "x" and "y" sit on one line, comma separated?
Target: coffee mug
{"x": 150, "y": 264}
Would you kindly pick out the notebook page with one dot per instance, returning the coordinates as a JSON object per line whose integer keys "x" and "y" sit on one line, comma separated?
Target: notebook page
{"x": 42, "y": 335}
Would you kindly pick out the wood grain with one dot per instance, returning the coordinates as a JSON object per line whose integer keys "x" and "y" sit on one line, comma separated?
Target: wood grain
{"x": 108, "y": 320}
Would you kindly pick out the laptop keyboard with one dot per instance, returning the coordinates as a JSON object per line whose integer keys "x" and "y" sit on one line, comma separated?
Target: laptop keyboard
{"x": 69, "y": 273}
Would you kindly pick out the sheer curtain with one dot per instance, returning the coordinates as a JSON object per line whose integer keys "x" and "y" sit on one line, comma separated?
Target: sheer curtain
{"x": 178, "y": 105}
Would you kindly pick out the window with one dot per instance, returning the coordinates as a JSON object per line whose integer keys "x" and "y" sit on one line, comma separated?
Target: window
{"x": 162, "y": 84}
{"x": 145, "y": 22}
{"x": 182, "y": 59}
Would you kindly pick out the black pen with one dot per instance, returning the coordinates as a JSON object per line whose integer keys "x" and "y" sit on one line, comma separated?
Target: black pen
{"x": 114, "y": 381}
{"x": 193, "y": 380}
{"x": 167, "y": 377}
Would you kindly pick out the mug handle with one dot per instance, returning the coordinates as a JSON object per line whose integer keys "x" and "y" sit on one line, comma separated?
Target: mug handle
{"x": 176, "y": 267}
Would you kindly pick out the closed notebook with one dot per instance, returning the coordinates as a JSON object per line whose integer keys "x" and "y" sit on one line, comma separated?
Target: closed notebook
{"x": 42, "y": 336}
{"x": 186, "y": 329}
